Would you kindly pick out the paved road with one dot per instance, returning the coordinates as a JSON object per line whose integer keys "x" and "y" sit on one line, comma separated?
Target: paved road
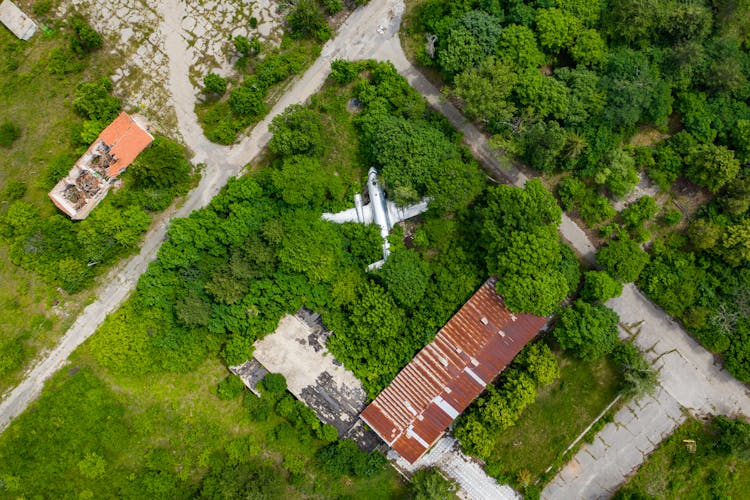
{"x": 688, "y": 376}
{"x": 688, "y": 379}
{"x": 358, "y": 38}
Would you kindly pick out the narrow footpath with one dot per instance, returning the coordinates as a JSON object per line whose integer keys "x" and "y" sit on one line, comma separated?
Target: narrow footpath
{"x": 357, "y": 38}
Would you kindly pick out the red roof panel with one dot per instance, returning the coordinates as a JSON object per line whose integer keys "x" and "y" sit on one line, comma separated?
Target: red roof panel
{"x": 476, "y": 344}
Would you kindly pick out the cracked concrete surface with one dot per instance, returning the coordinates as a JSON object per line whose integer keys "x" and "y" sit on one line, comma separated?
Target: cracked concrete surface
{"x": 689, "y": 380}
{"x": 137, "y": 28}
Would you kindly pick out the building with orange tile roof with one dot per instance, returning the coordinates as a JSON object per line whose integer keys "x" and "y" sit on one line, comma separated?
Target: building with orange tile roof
{"x": 90, "y": 179}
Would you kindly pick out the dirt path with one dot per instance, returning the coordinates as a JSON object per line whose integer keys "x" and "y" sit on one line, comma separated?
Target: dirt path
{"x": 357, "y": 38}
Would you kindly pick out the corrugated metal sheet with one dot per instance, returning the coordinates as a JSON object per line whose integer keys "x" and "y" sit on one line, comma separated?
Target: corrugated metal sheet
{"x": 446, "y": 375}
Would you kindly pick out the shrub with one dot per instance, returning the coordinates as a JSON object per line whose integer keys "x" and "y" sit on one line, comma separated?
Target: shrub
{"x": 13, "y": 190}
{"x": 274, "y": 383}
{"x": 230, "y": 388}
{"x": 214, "y": 84}
{"x": 85, "y": 38}
{"x": 333, "y": 6}
{"x": 623, "y": 259}
{"x": 247, "y": 101}
{"x": 639, "y": 212}
{"x": 9, "y": 133}
{"x": 589, "y": 331}
{"x": 599, "y": 286}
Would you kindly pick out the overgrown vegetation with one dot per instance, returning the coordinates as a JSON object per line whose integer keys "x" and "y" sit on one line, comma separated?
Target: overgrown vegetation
{"x": 231, "y": 105}
{"x": 607, "y": 92}
{"x": 166, "y": 436}
{"x": 699, "y": 459}
{"x": 57, "y": 67}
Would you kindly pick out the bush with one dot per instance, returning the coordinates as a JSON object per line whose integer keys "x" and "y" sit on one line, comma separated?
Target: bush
{"x": 9, "y": 133}
{"x": 429, "y": 484}
{"x": 230, "y": 388}
{"x": 85, "y": 39}
{"x": 214, "y": 84}
{"x": 588, "y": 331}
{"x": 623, "y": 259}
{"x": 13, "y": 190}
{"x": 639, "y": 212}
{"x": 333, "y": 6}
{"x": 638, "y": 376}
{"x": 343, "y": 458}
{"x": 274, "y": 383}
{"x": 599, "y": 286}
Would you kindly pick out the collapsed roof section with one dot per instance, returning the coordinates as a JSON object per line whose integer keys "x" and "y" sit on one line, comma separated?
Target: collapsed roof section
{"x": 90, "y": 179}
{"x": 16, "y": 20}
{"x": 476, "y": 344}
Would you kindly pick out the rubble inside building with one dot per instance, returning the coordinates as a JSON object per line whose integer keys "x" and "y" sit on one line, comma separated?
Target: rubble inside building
{"x": 92, "y": 176}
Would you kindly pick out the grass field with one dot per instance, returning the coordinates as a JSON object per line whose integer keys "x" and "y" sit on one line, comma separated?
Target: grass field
{"x": 674, "y": 471}
{"x": 560, "y": 413}
{"x": 34, "y": 314}
{"x": 154, "y": 432}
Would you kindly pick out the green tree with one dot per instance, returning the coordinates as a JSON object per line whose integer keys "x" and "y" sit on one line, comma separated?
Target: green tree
{"x": 471, "y": 38}
{"x": 517, "y": 45}
{"x": 275, "y": 383}
{"x": 622, "y": 258}
{"x": 538, "y": 293}
{"x": 711, "y": 166}
{"x": 300, "y": 181}
{"x": 640, "y": 211}
{"x": 85, "y": 39}
{"x": 588, "y": 331}
{"x": 485, "y": 92}
{"x": 556, "y": 29}
{"x": 599, "y": 286}
{"x": 311, "y": 246}
{"x": 539, "y": 362}
{"x": 406, "y": 277}
{"x": 543, "y": 145}
{"x": 589, "y": 48}
{"x": 639, "y": 377}
{"x": 734, "y": 437}
{"x": 247, "y": 100}
{"x": 306, "y": 20}
{"x": 230, "y": 388}
{"x": 298, "y": 130}
{"x": 162, "y": 165}
{"x": 619, "y": 174}
{"x": 214, "y": 84}
{"x": 93, "y": 101}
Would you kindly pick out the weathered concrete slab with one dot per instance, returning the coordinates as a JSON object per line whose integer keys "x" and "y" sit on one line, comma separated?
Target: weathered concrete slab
{"x": 297, "y": 350}
{"x": 16, "y": 20}
{"x": 473, "y": 481}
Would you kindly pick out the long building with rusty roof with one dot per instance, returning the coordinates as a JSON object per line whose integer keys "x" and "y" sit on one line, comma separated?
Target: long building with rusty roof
{"x": 476, "y": 344}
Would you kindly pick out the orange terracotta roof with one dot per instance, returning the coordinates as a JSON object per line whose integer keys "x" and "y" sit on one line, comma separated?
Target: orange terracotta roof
{"x": 476, "y": 344}
{"x": 126, "y": 139}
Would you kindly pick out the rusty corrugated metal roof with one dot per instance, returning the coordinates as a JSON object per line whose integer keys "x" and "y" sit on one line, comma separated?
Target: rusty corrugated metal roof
{"x": 446, "y": 375}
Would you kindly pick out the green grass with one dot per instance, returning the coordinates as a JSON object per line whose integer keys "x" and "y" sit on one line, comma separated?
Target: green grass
{"x": 168, "y": 425}
{"x": 673, "y": 471}
{"x": 39, "y": 103}
{"x": 560, "y": 413}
